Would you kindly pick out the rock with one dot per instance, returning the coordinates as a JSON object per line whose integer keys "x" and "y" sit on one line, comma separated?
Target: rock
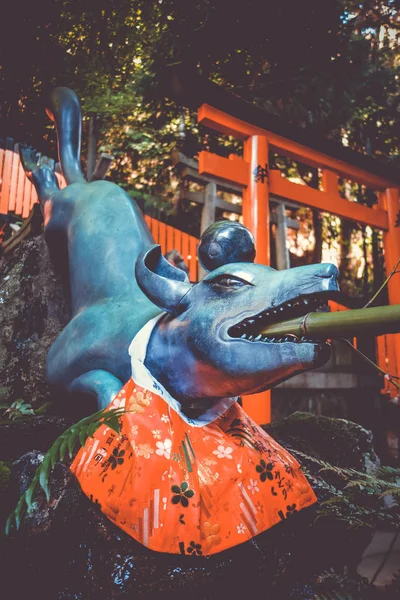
{"x": 33, "y": 312}
{"x": 19, "y": 436}
{"x": 68, "y": 550}
{"x": 6, "y": 496}
{"x": 336, "y": 441}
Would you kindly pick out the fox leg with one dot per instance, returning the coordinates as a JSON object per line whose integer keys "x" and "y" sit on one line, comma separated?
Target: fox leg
{"x": 99, "y": 384}
{"x": 40, "y": 171}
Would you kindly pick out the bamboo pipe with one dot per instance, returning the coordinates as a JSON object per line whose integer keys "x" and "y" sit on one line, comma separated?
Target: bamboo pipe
{"x": 375, "y": 321}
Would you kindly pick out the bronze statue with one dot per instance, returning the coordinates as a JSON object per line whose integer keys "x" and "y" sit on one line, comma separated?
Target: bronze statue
{"x": 212, "y": 327}
{"x": 196, "y": 347}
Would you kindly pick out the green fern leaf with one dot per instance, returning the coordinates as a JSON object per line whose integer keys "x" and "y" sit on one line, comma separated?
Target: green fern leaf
{"x": 72, "y": 442}
{"x": 63, "y": 446}
{"x": 29, "y": 493}
{"x": 44, "y": 476}
{"x": 20, "y": 511}
{"x": 82, "y": 437}
{"x": 80, "y": 431}
{"x": 9, "y": 523}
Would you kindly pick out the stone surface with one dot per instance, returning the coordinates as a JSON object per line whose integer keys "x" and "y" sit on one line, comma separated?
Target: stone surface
{"x": 19, "y": 436}
{"x": 33, "y": 311}
{"x": 68, "y": 550}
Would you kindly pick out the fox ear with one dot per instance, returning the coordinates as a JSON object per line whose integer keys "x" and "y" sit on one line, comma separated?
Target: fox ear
{"x": 161, "y": 282}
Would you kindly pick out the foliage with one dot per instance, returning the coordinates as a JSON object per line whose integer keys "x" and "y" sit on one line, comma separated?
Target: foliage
{"x": 331, "y": 67}
{"x": 4, "y": 391}
{"x": 65, "y": 444}
{"x": 18, "y": 409}
{"x": 336, "y": 585}
{"x": 354, "y": 496}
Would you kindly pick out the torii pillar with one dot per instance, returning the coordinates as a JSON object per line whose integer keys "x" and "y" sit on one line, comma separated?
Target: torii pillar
{"x": 251, "y": 173}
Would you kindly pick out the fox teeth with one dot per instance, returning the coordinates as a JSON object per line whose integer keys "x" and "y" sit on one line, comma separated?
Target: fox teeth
{"x": 281, "y": 340}
{"x": 293, "y": 308}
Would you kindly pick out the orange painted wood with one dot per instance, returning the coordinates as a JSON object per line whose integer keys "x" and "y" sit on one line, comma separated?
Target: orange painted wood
{"x": 392, "y": 344}
{"x": 15, "y": 186}
{"x": 2, "y": 154}
{"x": 256, "y": 219}
{"x": 149, "y": 223}
{"x": 256, "y": 196}
{"x": 5, "y": 189}
{"x": 330, "y": 182}
{"x": 220, "y": 121}
{"x": 335, "y": 306}
{"x": 170, "y": 238}
{"x": 19, "y": 198}
{"x": 178, "y": 240}
{"x": 2, "y": 157}
{"x": 382, "y": 359}
{"x": 329, "y": 202}
{"x": 185, "y": 247}
{"x": 193, "y": 242}
{"x": 27, "y": 194}
{"x": 14, "y": 178}
{"x": 154, "y": 230}
{"x": 162, "y": 236}
{"x": 258, "y": 407}
{"x": 224, "y": 168}
{"x": 26, "y": 207}
{"x": 391, "y": 241}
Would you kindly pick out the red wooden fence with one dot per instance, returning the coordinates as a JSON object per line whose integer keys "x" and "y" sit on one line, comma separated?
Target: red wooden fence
{"x": 170, "y": 238}
{"x": 17, "y": 194}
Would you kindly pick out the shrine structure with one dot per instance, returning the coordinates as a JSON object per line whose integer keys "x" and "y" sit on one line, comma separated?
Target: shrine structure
{"x": 263, "y": 134}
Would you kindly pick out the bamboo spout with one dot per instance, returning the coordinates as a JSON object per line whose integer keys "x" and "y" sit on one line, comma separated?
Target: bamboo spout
{"x": 375, "y": 321}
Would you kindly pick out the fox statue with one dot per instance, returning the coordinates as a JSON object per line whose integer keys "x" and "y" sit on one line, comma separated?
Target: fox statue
{"x": 176, "y": 354}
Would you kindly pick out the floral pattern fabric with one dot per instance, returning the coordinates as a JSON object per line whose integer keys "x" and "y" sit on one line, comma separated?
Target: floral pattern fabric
{"x": 189, "y": 490}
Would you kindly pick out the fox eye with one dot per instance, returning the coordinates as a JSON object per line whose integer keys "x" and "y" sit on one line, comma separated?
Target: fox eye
{"x": 229, "y": 281}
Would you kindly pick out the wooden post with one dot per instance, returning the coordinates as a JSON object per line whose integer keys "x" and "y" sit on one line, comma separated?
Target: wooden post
{"x": 102, "y": 167}
{"x": 282, "y": 253}
{"x": 391, "y": 242}
{"x": 256, "y": 218}
{"x": 256, "y": 195}
{"x": 208, "y": 212}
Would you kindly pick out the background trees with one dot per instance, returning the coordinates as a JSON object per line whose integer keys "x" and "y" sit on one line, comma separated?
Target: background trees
{"x": 331, "y": 67}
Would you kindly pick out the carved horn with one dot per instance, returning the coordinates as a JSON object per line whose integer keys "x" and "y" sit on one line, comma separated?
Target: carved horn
{"x": 163, "y": 284}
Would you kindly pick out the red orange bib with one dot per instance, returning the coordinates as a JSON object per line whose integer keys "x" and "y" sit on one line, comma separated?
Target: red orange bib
{"x": 179, "y": 488}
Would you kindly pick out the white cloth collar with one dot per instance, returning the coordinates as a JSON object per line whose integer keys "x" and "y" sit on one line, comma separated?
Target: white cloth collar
{"x": 142, "y": 376}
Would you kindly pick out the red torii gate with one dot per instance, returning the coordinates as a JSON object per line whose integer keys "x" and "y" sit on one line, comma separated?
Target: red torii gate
{"x": 252, "y": 173}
